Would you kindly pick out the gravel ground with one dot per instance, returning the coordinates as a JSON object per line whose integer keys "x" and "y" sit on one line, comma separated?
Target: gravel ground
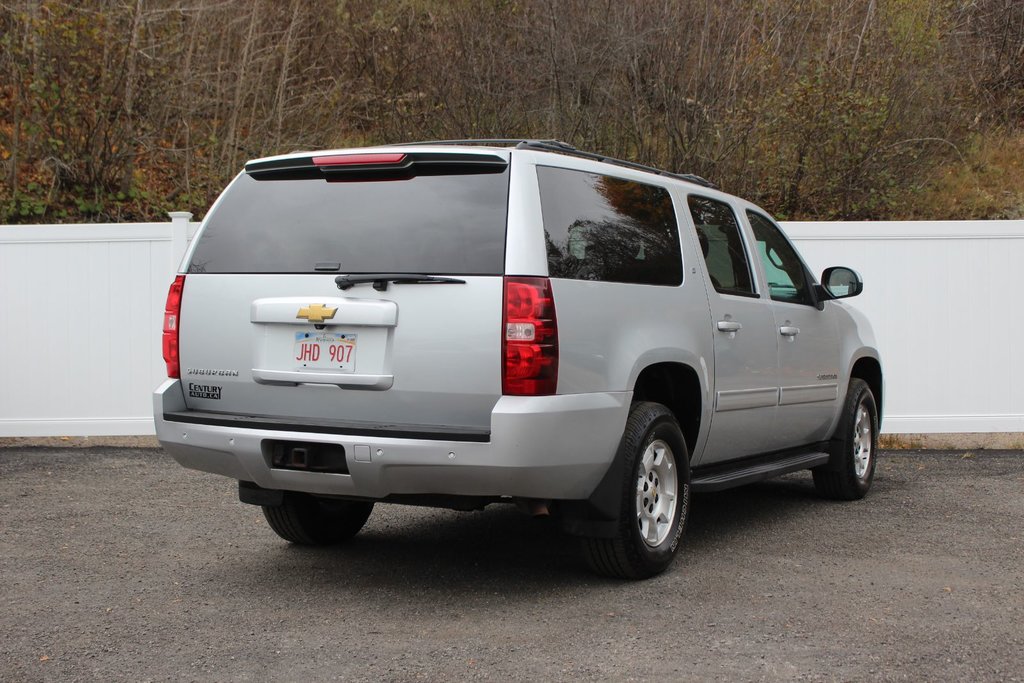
{"x": 119, "y": 565}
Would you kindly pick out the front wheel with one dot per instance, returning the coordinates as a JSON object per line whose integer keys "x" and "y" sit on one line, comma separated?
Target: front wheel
{"x": 851, "y": 468}
{"x": 655, "y": 497}
{"x": 307, "y": 520}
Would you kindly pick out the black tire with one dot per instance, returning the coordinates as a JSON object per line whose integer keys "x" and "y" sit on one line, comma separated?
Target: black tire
{"x": 628, "y": 555}
{"x": 307, "y": 520}
{"x": 847, "y": 476}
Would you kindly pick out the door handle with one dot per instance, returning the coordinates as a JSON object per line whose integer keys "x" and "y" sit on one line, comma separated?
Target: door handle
{"x": 789, "y": 331}
{"x": 729, "y": 326}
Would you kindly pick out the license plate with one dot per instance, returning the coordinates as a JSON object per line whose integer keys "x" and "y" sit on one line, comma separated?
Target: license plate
{"x": 325, "y": 351}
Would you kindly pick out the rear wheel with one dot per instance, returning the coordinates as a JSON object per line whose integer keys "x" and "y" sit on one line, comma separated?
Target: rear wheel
{"x": 655, "y": 498}
{"x": 851, "y": 469}
{"x": 307, "y": 520}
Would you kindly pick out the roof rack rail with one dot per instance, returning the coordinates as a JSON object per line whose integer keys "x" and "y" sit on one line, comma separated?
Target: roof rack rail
{"x": 544, "y": 145}
{"x": 565, "y": 148}
{"x": 495, "y": 142}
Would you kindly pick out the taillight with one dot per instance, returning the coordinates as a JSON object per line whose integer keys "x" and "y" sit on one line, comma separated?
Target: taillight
{"x": 172, "y": 312}
{"x": 530, "y": 339}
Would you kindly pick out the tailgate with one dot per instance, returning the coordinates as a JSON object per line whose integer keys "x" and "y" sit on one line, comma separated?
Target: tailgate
{"x": 413, "y": 355}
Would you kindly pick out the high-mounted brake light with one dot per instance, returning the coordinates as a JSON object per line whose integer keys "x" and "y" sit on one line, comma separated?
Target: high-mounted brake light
{"x": 172, "y": 314}
{"x": 358, "y": 159}
{"x": 530, "y": 339}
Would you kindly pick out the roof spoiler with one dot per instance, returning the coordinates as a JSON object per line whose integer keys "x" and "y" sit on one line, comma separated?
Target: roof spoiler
{"x": 374, "y": 166}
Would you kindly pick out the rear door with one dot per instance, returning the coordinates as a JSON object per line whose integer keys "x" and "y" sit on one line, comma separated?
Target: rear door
{"x": 411, "y": 337}
{"x": 746, "y": 384}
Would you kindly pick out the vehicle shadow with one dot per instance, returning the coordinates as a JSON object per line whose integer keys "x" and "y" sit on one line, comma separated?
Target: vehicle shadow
{"x": 717, "y": 519}
{"x": 423, "y": 552}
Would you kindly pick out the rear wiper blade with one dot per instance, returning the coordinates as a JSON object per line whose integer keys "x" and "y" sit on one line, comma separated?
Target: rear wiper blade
{"x": 380, "y": 280}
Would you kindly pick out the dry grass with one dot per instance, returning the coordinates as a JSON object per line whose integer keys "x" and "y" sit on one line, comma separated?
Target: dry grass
{"x": 899, "y": 442}
{"x": 986, "y": 183}
{"x": 968, "y": 442}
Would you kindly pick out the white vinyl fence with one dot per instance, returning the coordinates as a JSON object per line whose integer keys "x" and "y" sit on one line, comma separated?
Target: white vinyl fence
{"x": 943, "y": 299}
{"x": 81, "y": 313}
{"x": 81, "y": 308}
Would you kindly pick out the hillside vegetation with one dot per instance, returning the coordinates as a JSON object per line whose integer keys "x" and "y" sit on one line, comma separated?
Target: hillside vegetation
{"x": 124, "y": 109}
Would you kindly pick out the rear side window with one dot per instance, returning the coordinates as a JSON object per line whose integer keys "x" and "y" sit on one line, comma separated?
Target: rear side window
{"x": 602, "y": 228}
{"x": 722, "y": 245}
{"x": 434, "y": 224}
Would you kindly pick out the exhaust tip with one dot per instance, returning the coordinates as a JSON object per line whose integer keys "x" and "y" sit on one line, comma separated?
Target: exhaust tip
{"x": 534, "y": 507}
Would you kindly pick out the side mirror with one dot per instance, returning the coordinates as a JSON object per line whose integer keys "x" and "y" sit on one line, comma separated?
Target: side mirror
{"x": 841, "y": 282}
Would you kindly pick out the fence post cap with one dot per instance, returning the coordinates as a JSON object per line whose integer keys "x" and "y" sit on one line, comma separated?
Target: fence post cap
{"x": 187, "y": 215}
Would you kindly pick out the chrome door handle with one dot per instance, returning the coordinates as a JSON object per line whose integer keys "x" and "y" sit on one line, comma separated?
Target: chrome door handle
{"x": 789, "y": 331}
{"x": 729, "y": 326}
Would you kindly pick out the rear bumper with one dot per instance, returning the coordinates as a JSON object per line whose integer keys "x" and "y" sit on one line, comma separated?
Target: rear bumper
{"x": 551, "y": 447}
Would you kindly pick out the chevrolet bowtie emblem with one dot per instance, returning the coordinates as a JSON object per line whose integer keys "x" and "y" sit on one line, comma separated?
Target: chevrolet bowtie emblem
{"x": 316, "y": 313}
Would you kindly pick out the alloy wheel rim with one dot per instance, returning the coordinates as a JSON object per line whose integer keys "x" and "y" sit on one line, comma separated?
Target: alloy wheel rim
{"x": 657, "y": 486}
{"x": 862, "y": 442}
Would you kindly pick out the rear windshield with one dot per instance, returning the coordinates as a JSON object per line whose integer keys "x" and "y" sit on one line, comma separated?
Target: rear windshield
{"x": 436, "y": 224}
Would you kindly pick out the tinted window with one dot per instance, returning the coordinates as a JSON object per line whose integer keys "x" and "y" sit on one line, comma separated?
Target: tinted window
{"x": 722, "y": 245}
{"x": 787, "y": 277}
{"x": 602, "y": 228}
{"x": 445, "y": 224}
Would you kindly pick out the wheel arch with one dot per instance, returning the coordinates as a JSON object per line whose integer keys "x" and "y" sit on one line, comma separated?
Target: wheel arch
{"x": 678, "y": 387}
{"x": 869, "y": 369}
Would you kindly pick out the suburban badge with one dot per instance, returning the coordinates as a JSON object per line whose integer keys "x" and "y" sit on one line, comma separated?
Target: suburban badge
{"x": 316, "y": 313}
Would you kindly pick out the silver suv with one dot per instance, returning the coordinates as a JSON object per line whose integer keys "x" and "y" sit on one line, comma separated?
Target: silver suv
{"x": 463, "y": 323}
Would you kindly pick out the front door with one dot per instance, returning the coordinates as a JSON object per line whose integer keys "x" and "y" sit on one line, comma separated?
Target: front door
{"x": 808, "y": 340}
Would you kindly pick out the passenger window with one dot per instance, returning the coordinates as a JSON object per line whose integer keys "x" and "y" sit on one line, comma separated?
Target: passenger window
{"x": 787, "y": 277}
{"x": 722, "y": 245}
{"x": 598, "y": 227}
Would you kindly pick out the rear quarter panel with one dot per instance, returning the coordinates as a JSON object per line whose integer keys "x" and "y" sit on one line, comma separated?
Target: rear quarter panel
{"x": 609, "y": 332}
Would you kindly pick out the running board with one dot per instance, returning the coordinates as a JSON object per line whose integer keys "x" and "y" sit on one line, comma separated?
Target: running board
{"x": 748, "y": 473}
